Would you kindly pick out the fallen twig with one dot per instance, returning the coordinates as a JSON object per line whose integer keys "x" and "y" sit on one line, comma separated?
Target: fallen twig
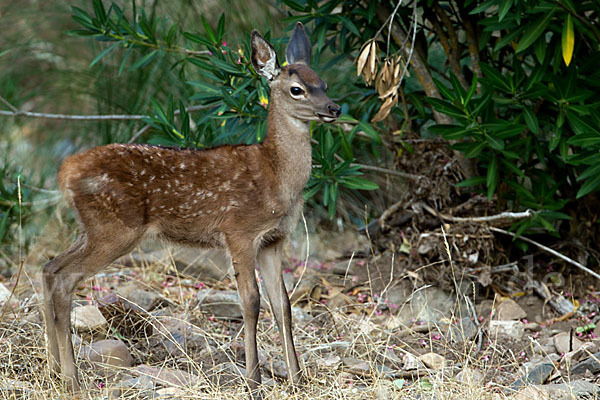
{"x": 549, "y": 250}
{"x": 502, "y": 217}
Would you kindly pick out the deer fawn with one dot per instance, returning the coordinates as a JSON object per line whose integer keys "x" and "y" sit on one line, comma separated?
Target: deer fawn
{"x": 245, "y": 198}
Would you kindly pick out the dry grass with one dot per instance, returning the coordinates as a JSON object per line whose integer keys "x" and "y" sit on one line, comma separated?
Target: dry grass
{"x": 323, "y": 341}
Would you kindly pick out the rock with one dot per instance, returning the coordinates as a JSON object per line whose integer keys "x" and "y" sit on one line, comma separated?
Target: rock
{"x": 172, "y": 393}
{"x": 308, "y": 288}
{"x": 512, "y": 329}
{"x": 224, "y": 304}
{"x": 106, "y": 355}
{"x": 390, "y": 358}
{"x": 356, "y": 366}
{"x": 179, "y": 336}
{"x": 384, "y": 390}
{"x": 276, "y": 366}
{"x": 591, "y": 364}
{"x": 140, "y": 387}
{"x": 433, "y": 360}
{"x": 166, "y": 376}
{"x": 462, "y": 331}
{"x": 213, "y": 264}
{"x": 470, "y": 377}
{"x": 88, "y": 318}
{"x": 532, "y": 326}
{"x": 327, "y": 245}
{"x": 537, "y": 375}
{"x": 138, "y": 299}
{"x": 429, "y": 304}
{"x": 8, "y": 386}
{"x": 531, "y": 393}
{"x": 509, "y": 310}
{"x": 13, "y": 302}
{"x": 300, "y": 316}
{"x": 347, "y": 267}
{"x": 572, "y": 390}
{"x": 411, "y": 362}
{"x": 329, "y": 361}
{"x": 564, "y": 340}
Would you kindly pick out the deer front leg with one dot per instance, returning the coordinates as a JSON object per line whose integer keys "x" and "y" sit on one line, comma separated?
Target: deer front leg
{"x": 269, "y": 259}
{"x": 243, "y": 259}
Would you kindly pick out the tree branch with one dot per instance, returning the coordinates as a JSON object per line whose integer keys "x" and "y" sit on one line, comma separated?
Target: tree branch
{"x": 15, "y": 112}
{"x": 549, "y": 250}
{"x": 453, "y": 46}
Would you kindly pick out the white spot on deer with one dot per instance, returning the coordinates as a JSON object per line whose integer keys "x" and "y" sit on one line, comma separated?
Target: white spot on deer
{"x": 226, "y": 187}
{"x": 152, "y": 178}
{"x": 95, "y": 184}
{"x": 182, "y": 165}
{"x": 143, "y": 172}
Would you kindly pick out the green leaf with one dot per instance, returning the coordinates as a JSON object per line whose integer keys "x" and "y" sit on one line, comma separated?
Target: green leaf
{"x": 160, "y": 113}
{"x": 471, "y": 91}
{"x": 221, "y": 27}
{"x": 590, "y": 171}
{"x": 104, "y": 52}
{"x": 589, "y": 186}
{"x": 451, "y": 132}
{"x": 208, "y": 29}
{"x": 531, "y": 120}
{"x": 472, "y": 149}
{"x": 535, "y": 30}
{"x": 355, "y": 182}
{"x": 349, "y": 25}
{"x": 144, "y": 60}
{"x": 492, "y": 177}
{"x": 504, "y": 9}
{"x": 446, "y": 107}
{"x": 495, "y": 78}
{"x": 4, "y": 223}
{"x": 540, "y": 50}
{"x": 474, "y": 181}
{"x": 494, "y": 142}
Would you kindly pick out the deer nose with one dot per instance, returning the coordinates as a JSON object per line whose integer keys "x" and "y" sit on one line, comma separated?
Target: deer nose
{"x": 334, "y": 109}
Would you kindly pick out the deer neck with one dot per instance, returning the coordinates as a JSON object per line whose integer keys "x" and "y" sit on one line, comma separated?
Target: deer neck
{"x": 288, "y": 147}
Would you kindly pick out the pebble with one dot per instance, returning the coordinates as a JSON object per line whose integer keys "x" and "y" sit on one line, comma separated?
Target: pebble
{"x": 562, "y": 343}
{"x": 433, "y": 360}
{"x": 509, "y": 310}
{"x": 512, "y": 329}
{"x": 88, "y": 318}
{"x": 106, "y": 355}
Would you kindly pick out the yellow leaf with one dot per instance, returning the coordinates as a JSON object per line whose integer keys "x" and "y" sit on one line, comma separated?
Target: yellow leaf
{"x": 568, "y": 40}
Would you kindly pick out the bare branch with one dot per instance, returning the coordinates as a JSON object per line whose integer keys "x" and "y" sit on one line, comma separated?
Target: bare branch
{"x": 549, "y": 250}
{"x": 498, "y": 218}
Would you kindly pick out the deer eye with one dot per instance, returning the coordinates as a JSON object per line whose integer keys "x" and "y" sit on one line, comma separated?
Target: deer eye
{"x": 296, "y": 91}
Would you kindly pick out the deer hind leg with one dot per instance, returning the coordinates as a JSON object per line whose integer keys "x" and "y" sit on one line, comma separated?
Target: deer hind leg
{"x": 48, "y": 280}
{"x": 243, "y": 257}
{"x": 61, "y": 276}
{"x": 269, "y": 260}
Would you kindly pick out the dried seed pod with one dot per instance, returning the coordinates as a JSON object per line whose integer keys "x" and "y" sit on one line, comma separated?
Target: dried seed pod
{"x": 385, "y": 109}
{"x": 370, "y": 71}
{"x": 363, "y": 57}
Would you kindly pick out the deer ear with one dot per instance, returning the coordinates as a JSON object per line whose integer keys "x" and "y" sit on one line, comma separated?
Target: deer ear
{"x": 298, "y": 50}
{"x": 264, "y": 58}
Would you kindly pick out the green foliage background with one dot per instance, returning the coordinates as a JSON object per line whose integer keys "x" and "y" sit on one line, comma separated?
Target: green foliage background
{"x": 491, "y": 77}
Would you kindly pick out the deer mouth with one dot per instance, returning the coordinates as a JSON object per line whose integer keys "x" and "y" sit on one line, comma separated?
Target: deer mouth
{"x": 326, "y": 117}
